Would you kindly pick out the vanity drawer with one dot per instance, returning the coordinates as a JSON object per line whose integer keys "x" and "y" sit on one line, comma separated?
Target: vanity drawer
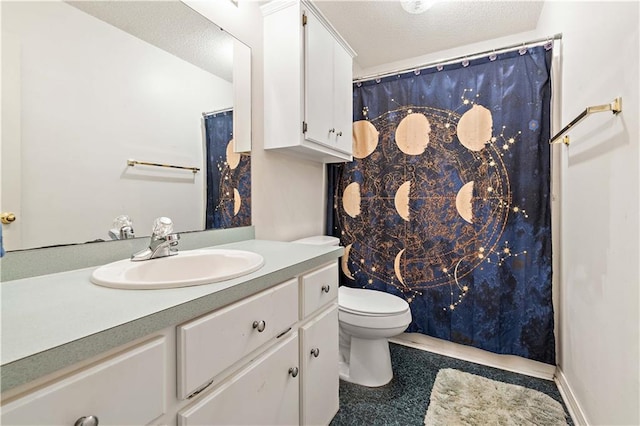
{"x": 127, "y": 389}
{"x": 211, "y": 344}
{"x": 318, "y": 288}
{"x": 264, "y": 393}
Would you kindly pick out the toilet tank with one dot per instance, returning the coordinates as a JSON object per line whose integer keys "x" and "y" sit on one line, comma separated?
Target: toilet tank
{"x": 319, "y": 240}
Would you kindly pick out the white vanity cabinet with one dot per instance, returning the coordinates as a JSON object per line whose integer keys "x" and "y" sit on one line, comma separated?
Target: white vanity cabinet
{"x": 269, "y": 358}
{"x": 127, "y": 388}
{"x": 308, "y": 84}
{"x": 319, "y": 346}
{"x": 287, "y": 377}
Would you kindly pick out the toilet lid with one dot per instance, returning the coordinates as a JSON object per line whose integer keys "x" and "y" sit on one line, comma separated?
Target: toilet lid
{"x": 370, "y": 302}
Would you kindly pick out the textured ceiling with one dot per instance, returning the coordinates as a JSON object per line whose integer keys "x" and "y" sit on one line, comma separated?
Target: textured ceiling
{"x": 172, "y": 26}
{"x": 382, "y": 32}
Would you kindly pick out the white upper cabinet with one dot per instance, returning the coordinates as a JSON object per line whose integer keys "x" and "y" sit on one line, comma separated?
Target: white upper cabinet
{"x": 308, "y": 84}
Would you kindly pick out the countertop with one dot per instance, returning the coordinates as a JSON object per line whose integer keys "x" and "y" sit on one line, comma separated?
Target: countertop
{"x": 53, "y": 321}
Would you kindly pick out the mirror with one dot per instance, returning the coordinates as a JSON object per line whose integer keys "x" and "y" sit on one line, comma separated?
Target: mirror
{"x": 89, "y": 86}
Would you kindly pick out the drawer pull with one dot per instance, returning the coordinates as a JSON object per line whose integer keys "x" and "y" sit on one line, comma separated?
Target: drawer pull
{"x": 332, "y": 130}
{"x": 339, "y": 134}
{"x": 259, "y": 325}
{"x": 293, "y": 371}
{"x": 315, "y": 352}
{"x": 283, "y": 333}
{"x": 326, "y": 288}
{"x": 86, "y": 421}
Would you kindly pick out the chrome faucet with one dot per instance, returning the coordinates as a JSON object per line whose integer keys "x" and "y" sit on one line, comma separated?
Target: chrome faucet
{"x": 163, "y": 243}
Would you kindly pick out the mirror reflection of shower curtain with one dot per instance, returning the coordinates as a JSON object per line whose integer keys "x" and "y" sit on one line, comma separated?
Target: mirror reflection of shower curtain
{"x": 228, "y": 175}
{"x": 447, "y": 203}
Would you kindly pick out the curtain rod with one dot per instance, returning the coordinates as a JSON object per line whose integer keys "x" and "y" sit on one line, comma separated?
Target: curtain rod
{"x": 205, "y": 114}
{"x": 459, "y": 58}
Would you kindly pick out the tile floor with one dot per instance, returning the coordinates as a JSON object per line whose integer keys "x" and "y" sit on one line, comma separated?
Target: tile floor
{"x": 405, "y": 399}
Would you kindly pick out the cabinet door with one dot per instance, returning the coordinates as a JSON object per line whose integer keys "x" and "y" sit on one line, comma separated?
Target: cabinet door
{"x": 318, "y": 71}
{"x": 128, "y": 389}
{"x": 265, "y": 393}
{"x": 319, "y": 366}
{"x": 343, "y": 99}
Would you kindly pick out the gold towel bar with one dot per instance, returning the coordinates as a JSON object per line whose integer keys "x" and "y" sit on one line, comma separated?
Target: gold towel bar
{"x": 132, "y": 163}
{"x": 615, "y": 107}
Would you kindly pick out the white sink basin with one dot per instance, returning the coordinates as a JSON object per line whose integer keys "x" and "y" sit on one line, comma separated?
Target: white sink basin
{"x": 187, "y": 268}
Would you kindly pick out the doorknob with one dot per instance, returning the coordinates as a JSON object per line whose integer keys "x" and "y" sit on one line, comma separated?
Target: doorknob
{"x": 7, "y": 217}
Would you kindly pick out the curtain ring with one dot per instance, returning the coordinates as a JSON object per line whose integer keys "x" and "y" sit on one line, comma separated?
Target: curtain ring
{"x": 522, "y": 50}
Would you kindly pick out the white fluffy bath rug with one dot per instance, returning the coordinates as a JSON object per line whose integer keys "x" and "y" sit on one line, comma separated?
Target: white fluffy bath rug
{"x": 460, "y": 398}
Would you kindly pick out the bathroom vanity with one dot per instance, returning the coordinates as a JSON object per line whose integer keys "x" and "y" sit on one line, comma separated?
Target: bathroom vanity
{"x": 259, "y": 349}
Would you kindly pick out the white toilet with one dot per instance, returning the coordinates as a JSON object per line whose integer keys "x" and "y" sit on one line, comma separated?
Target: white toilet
{"x": 367, "y": 319}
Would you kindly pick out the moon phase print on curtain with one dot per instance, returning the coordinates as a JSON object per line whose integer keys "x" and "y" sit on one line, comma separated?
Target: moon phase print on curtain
{"x": 228, "y": 175}
{"x": 447, "y": 201}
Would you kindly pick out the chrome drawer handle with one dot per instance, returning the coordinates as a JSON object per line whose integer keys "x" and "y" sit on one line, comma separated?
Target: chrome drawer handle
{"x": 259, "y": 325}
{"x": 326, "y": 288}
{"x": 339, "y": 134}
{"x": 87, "y": 421}
{"x": 332, "y": 130}
{"x": 315, "y": 352}
{"x": 293, "y": 371}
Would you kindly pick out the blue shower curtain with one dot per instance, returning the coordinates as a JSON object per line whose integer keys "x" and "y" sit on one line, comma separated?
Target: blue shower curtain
{"x": 447, "y": 203}
{"x": 228, "y": 175}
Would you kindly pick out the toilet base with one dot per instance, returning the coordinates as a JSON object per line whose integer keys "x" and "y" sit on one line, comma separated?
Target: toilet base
{"x": 369, "y": 363}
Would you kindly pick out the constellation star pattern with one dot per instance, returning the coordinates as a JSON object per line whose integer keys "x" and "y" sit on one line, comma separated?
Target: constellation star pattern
{"x": 433, "y": 199}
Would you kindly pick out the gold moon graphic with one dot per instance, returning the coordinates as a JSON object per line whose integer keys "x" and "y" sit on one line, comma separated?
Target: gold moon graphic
{"x": 401, "y": 200}
{"x": 475, "y": 127}
{"x": 344, "y": 262}
{"x": 412, "y": 134}
{"x": 237, "y": 201}
{"x": 233, "y": 158}
{"x": 396, "y": 266}
{"x": 463, "y": 202}
{"x": 365, "y": 138}
{"x": 351, "y": 199}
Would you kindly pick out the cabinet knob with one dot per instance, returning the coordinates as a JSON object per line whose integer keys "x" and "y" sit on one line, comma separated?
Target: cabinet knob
{"x": 87, "y": 421}
{"x": 332, "y": 130}
{"x": 326, "y": 288}
{"x": 259, "y": 325}
{"x": 315, "y": 352}
{"x": 293, "y": 371}
{"x": 339, "y": 133}
{"x": 7, "y": 217}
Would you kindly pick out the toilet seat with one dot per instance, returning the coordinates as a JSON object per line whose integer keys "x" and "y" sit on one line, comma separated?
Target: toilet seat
{"x": 371, "y": 303}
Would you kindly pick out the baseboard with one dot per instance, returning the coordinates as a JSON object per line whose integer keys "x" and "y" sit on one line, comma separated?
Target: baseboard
{"x": 576, "y": 413}
{"x": 511, "y": 363}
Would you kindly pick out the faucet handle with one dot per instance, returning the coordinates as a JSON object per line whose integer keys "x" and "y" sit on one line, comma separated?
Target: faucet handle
{"x": 162, "y": 227}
